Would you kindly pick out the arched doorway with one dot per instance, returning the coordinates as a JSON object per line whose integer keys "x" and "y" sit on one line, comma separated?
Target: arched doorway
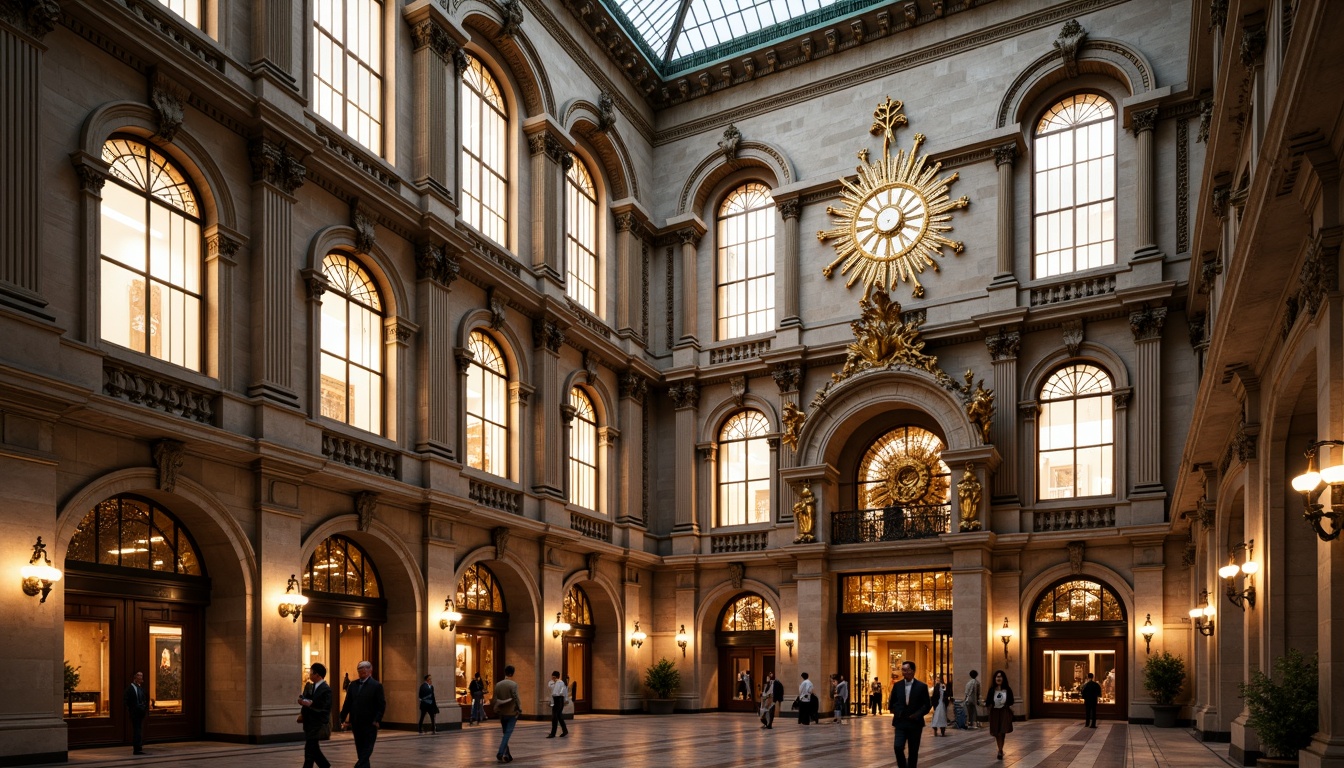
{"x": 745, "y": 635}
{"x": 136, "y": 593}
{"x": 1078, "y": 626}
{"x": 480, "y": 633}
{"x": 343, "y": 622}
{"x": 578, "y": 648}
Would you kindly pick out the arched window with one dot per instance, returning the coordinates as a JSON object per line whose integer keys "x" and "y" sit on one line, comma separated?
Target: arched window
{"x": 485, "y": 153}
{"x": 478, "y": 590}
{"x": 1073, "y": 162}
{"x": 745, "y": 277}
{"x": 187, "y": 9}
{"x": 576, "y": 611}
{"x": 150, "y": 238}
{"x": 581, "y": 236}
{"x": 1079, "y": 600}
{"x": 347, "y": 67}
{"x": 582, "y": 451}
{"x": 748, "y": 613}
{"x": 340, "y": 567}
{"x": 487, "y": 406}
{"x": 744, "y": 470}
{"x": 1077, "y": 434}
{"x": 352, "y": 345}
{"x": 903, "y": 468}
{"x": 131, "y": 532}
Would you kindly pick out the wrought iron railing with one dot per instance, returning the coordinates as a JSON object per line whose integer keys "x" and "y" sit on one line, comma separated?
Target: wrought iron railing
{"x": 890, "y": 524}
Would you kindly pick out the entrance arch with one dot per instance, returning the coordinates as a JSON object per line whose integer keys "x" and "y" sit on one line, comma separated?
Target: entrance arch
{"x": 745, "y": 636}
{"x": 1078, "y": 625}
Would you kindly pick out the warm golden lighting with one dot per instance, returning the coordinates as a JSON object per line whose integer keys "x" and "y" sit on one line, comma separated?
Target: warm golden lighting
{"x": 790, "y": 638}
{"x": 682, "y": 640}
{"x": 637, "y": 637}
{"x": 39, "y": 574}
{"x": 560, "y": 626}
{"x": 1148, "y": 630}
{"x": 450, "y": 616}
{"x": 1006, "y": 635}
{"x": 1312, "y": 484}
{"x": 293, "y": 601}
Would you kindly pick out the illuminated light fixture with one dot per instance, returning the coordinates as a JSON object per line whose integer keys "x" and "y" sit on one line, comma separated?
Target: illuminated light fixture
{"x": 637, "y": 637}
{"x": 790, "y": 637}
{"x": 560, "y": 626}
{"x": 1148, "y": 630}
{"x": 1203, "y": 617}
{"x": 449, "y": 618}
{"x": 1312, "y": 484}
{"x": 682, "y": 640}
{"x": 1248, "y": 568}
{"x": 292, "y": 602}
{"x": 39, "y": 574}
{"x": 1006, "y": 635}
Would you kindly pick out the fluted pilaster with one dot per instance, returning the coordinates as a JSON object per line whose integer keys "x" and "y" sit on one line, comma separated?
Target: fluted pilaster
{"x": 276, "y": 175}
{"x": 790, "y": 211}
{"x": 1003, "y": 349}
{"x": 1004, "y": 157}
{"x": 1143, "y": 123}
{"x": 1146, "y": 324}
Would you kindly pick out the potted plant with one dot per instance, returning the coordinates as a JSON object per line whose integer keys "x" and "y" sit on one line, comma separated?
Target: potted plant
{"x": 1164, "y": 677}
{"x": 1284, "y": 713}
{"x": 71, "y": 683}
{"x": 662, "y": 679}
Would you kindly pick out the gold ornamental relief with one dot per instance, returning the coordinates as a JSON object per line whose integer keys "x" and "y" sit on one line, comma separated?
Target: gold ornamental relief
{"x": 895, "y": 215}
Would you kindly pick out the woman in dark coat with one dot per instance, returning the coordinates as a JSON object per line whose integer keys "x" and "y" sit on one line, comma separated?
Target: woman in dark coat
{"x": 428, "y": 706}
{"x": 999, "y": 703}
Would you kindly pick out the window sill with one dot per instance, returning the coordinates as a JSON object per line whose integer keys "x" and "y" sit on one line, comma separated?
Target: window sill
{"x": 157, "y": 367}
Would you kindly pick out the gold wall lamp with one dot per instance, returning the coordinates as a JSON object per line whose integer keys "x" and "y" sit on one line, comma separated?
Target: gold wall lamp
{"x": 450, "y": 616}
{"x": 790, "y": 637}
{"x": 637, "y": 637}
{"x": 39, "y": 574}
{"x": 682, "y": 640}
{"x": 560, "y": 626}
{"x": 1312, "y": 483}
{"x": 1248, "y": 569}
{"x": 1148, "y": 630}
{"x": 1202, "y": 618}
{"x": 1006, "y": 635}
{"x": 293, "y": 601}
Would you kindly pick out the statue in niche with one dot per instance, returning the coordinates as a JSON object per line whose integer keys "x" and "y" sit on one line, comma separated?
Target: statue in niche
{"x": 968, "y": 500}
{"x": 804, "y": 516}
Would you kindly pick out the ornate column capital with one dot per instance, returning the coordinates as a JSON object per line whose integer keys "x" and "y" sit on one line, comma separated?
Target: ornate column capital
{"x": 688, "y": 236}
{"x": 790, "y": 209}
{"x": 92, "y": 170}
{"x": 36, "y": 17}
{"x": 633, "y": 386}
{"x": 221, "y": 246}
{"x": 544, "y": 142}
{"x": 315, "y": 283}
{"x": 432, "y": 262}
{"x": 1003, "y": 345}
{"x": 547, "y": 333}
{"x": 1143, "y": 121}
{"x": 273, "y": 163}
{"x": 787, "y": 376}
{"x": 1005, "y": 154}
{"x": 463, "y": 357}
{"x": 427, "y": 33}
{"x": 685, "y": 394}
{"x": 1146, "y": 323}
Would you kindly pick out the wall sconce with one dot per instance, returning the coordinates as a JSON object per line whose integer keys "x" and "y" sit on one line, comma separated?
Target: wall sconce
{"x": 560, "y": 626}
{"x": 39, "y": 574}
{"x": 292, "y": 602}
{"x": 1247, "y": 568}
{"x": 1006, "y": 635}
{"x": 682, "y": 640}
{"x": 790, "y": 638}
{"x": 1203, "y": 617}
{"x": 1148, "y": 630}
{"x": 1312, "y": 483}
{"x": 637, "y": 637}
{"x": 450, "y": 616}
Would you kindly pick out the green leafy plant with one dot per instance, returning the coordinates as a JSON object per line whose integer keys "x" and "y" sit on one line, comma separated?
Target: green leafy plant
{"x": 1284, "y": 714}
{"x": 1164, "y": 677}
{"x": 71, "y": 678}
{"x": 662, "y": 678}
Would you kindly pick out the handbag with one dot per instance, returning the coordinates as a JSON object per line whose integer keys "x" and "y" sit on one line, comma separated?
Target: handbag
{"x": 795, "y": 705}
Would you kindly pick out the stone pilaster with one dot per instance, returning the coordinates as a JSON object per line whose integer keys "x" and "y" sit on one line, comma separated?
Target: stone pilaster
{"x": 440, "y": 585}
{"x": 690, "y": 292}
{"x": 631, "y": 223}
{"x": 788, "y": 376}
{"x": 279, "y": 537}
{"x": 1003, "y": 349}
{"x": 787, "y": 266}
{"x": 276, "y": 174}
{"x": 1004, "y": 157}
{"x": 92, "y": 172}
{"x": 435, "y": 40}
{"x": 274, "y": 30}
{"x": 688, "y": 662}
{"x": 636, "y": 659}
{"x": 397, "y": 335}
{"x": 437, "y": 407}
{"x": 553, "y": 602}
{"x": 549, "y": 480}
{"x": 1146, "y": 324}
{"x": 686, "y": 397}
{"x": 220, "y": 259}
{"x": 630, "y": 465}
{"x": 1142, "y": 124}
{"x": 550, "y": 161}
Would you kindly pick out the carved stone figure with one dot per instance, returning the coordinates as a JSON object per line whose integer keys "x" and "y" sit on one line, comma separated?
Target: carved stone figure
{"x": 980, "y": 407}
{"x": 736, "y": 572}
{"x": 804, "y": 516}
{"x": 168, "y": 457}
{"x": 728, "y": 144}
{"x": 793, "y": 424}
{"x": 500, "y": 537}
{"x": 366, "y": 502}
{"x": 968, "y": 499}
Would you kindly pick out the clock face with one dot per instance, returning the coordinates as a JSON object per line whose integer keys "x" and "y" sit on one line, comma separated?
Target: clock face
{"x": 890, "y": 221}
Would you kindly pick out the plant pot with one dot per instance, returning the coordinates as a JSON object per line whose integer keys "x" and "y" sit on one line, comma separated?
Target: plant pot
{"x": 1164, "y": 715}
{"x": 662, "y": 706}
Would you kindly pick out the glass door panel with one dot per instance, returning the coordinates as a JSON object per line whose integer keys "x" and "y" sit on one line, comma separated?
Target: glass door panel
{"x": 576, "y": 669}
{"x": 88, "y": 683}
{"x": 166, "y": 678}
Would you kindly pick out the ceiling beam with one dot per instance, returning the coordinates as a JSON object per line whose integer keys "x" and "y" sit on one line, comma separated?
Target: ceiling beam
{"x": 676, "y": 30}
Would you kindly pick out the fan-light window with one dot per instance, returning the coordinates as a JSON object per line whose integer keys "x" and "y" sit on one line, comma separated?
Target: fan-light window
{"x": 897, "y": 592}
{"x": 1073, "y": 171}
{"x": 130, "y": 532}
{"x": 150, "y": 283}
{"x": 487, "y": 406}
{"x": 485, "y": 148}
{"x": 744, "y": 470}
{"x": 340, "y": 566}
{"x": 352, "y": 345}
{"x": 478, "y": 590}
{"x": 1078, "y": 600}
{"x": 581, "y": 236}
{"x": 903, "y": 468}
{"x": 745, "y": 277}
{"x": 748, "y": 613}
{"x": 575, "y": 611}
{"x": 347, "y": 60}
{"x": 582, "y": 451}
{"x": 1076, "y": 443}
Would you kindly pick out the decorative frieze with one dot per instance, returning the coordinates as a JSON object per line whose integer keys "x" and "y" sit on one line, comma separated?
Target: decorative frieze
{"x": 158, "y": 392}
{"x": 358, "y": 454}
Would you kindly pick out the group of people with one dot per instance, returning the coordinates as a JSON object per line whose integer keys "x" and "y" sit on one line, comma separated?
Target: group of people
{"x": 912, "y": 699}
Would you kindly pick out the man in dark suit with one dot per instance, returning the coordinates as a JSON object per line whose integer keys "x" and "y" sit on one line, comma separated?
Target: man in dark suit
{"x": 316, "y": 715}
{"x": 909, "y": 703}
{"x": 362, "y": 712}
{"x": 1091, "y": 692}
{"x": 137, "y": 706}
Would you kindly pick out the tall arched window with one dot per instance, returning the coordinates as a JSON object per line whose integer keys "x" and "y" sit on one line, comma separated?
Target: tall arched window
{"x": 340, "y": 566}
{"x": 347, "y": 67}
{"x": 745, "y": 278}
{"x": 485, "y": 153}
{"x": 150, "y": 238}
{"x": 1077, "y": 435}
{"x": 487, "y": 406}
{"x": 582, "y": 451}
{"x": 1073, "y": 161}
{"x": 131, "y": 532}
{"x": 744, "y": 470}
{"x": 748, "y": 613}
{"x": 576, "y": 611}
{"x": 352, "y": 345}
{"x": 581, "y": 236}
{"x": 478, "y": 590}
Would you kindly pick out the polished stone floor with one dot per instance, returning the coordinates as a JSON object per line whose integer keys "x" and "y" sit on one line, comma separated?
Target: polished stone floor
{"x": 718, "y": 740}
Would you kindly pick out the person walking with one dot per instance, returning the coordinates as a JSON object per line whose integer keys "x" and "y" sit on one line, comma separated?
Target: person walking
{"x": 507, "y": 708}
{"x": 559, "y": 694}
{"x": 840, "y": 699}
{"x": 477, "y": 690}
{"x": 999, "y": 702}
{"x": 429, "y": 705}
{"x": 875, "y": 697}
{"x": 972, "y": 701}
{"x": 806, "y": 698}
{"x": 939, "y": 698}
{"x": 1091, "y": 693}
{"x": 362, "y": 712}
{"x": 767, "y": 708}
{"x": 136, "y": 700}
{"x": 908, "y": 705}
{"x": 315, "y": 716}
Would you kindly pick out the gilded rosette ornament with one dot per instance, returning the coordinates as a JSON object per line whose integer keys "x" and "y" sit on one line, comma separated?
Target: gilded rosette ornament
{"x": 895, "y": 215}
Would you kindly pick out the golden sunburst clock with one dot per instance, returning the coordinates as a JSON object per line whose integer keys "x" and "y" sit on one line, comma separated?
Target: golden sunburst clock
{"x": 895, "y": 214}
